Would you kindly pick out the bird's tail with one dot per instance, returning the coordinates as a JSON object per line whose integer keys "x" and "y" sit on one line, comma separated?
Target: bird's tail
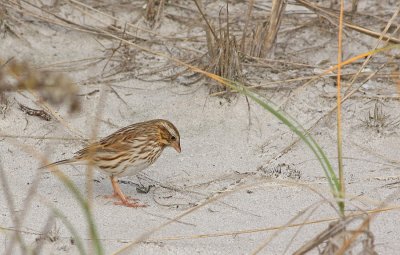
{"x": 61, "y": 162}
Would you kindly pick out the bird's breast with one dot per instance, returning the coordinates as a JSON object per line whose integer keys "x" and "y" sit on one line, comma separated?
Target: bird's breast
{"x": 132, "y": 170}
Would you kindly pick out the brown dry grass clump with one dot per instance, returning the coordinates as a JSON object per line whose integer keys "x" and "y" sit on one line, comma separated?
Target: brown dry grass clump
{"x": 223, "y": 57}
{"x": 336, "y": 237}
{"x": 55, "y": 88}
{"x": 265, "y": 34}
{"x": 222, "y": 54}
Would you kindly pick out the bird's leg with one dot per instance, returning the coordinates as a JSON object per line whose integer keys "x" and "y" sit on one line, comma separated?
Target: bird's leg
{"x": 115, "y": 194}
{"x": 118, "y": 193}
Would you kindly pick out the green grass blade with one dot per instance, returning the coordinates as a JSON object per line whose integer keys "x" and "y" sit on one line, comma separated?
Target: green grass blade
{"x": 70, "y": 227}
{"x": 297, "y": 128}
{"x": 85, "y": 206}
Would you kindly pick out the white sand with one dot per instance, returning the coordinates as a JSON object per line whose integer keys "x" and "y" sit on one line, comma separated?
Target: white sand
{"x": 221, "y": 151}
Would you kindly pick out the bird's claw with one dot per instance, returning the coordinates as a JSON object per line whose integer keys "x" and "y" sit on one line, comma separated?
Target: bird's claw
{"x": 129, "y": 204}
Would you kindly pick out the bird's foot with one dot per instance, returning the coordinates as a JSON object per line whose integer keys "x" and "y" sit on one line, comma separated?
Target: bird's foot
{"x": 130, "y": 204}
{"x": 115, "y": 195}
{"x": 129, "y": 198}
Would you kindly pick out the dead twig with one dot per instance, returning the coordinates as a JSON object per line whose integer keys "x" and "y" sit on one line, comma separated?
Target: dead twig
{"x": 331, "y": 16}
{"x": 33, "y": 112}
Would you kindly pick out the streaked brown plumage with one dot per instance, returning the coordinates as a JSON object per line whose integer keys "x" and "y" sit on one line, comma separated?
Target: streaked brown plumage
{"x": 128, "y": 151}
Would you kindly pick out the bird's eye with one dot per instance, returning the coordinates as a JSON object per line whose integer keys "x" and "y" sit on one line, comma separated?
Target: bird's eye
{"x": 173, "y": 138}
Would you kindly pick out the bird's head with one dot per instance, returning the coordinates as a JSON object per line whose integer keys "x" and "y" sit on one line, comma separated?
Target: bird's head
{"x": 169, "y": 135}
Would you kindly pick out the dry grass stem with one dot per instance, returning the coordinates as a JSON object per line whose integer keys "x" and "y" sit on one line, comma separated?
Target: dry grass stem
{"x": 328, "y": 14}
{"x": 154, "y": 10}
{"x": 11, "y": 207}
{"x": 223, "y": 44}
{"x": 265, "y": 35}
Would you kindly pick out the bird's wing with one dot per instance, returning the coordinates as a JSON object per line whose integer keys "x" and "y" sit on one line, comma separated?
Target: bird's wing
{"x": 118, "y": 142}
{"x": 103, "y": 148}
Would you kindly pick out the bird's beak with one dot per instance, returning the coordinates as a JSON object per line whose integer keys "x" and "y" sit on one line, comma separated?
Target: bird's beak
{"x": 176, "y": 146}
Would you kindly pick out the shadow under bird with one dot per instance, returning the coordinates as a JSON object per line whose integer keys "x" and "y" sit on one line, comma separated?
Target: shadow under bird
{"x": 126, "y": 152}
